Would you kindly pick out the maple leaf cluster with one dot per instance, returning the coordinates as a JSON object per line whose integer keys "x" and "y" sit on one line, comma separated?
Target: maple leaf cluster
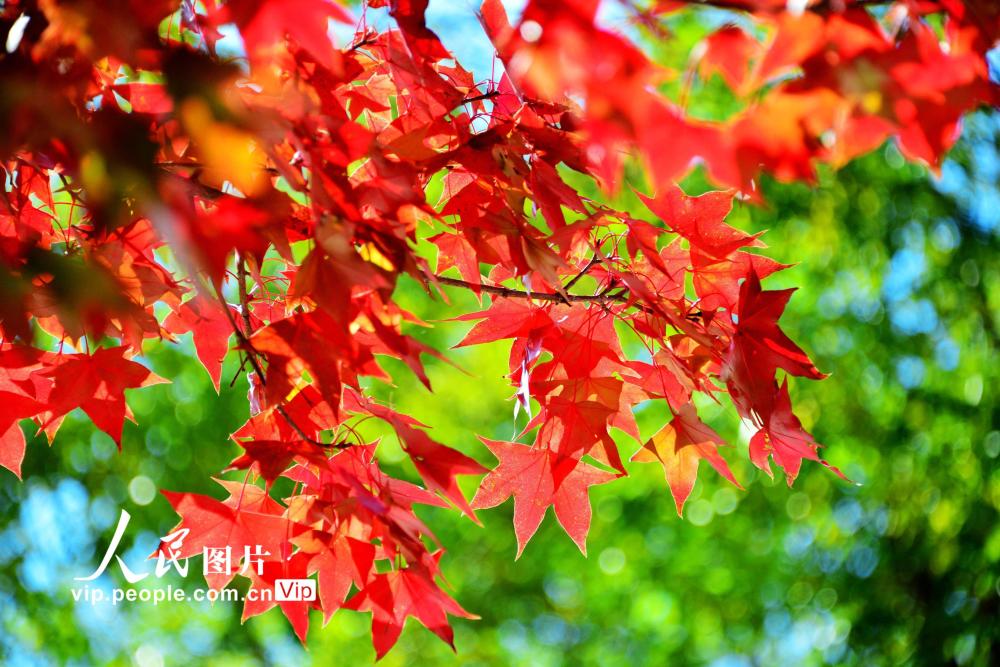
{"x": 829, "y": 81}
{"x": 267, "y": 198}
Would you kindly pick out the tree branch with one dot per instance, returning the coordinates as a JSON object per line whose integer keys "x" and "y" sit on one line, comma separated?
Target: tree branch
{"x": 250, "y": 353}
{"x": 180, "y": 164}
{"x": 483, "y": 96}
{"x": 595, "y": 260}
{"x": 511, "y": 292}
{"x": 241, "y": 278}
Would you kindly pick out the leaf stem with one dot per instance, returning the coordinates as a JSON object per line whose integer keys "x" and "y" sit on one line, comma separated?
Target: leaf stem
{"x": 249, "y": 351}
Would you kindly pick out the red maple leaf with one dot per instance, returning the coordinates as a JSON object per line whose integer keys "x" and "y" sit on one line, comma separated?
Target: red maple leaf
{"x": 270, "y": 458}
{"x": 211, "y": 329}
{"x": 729, "y": 52}
{"x": 409, "y": 592}
{"x": 759, "y": 348}
{"x": 306, "y": 342}
{"x": 96, "y": 384}
{"x": 340, "y": 561}
{"x": 437, "y": 464}
{"x": 218, "y": 524}
{"x": 700, "y": 220}
{"x": 265, "y": 24}
{"x": 266, "y": 586}
{"x": 679, "y": 447}
{"x": 783, "y": 439}
{"x": 23, "y": 393}
{"x": 528, "y": 474}
{"x": 12, "y": 446}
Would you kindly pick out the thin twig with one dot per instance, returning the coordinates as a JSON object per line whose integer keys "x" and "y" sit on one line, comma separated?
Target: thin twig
{"x": 595, "y": 260}
{"x": 241, "y": 279}
{"x": 511, "y": 292}
{"x": 250, "y": 353}
{"x": 370, "y": 38}
{"x": 483, "y": 96}
{"x": 173, "y": 164}
{"x": 244, "y": 341}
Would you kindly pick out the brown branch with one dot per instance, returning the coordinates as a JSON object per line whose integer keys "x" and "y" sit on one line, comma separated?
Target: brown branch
{"x": 370, "y": 37}
{"x": 240, "y": 336}
{"x": 511, "y": 292}
{"x": 595, "y": 260}
{"x": 485, "y": 96}
{"x": 175, "y": 164}
{"x": 250, "y": 353}
{"x": 302, "y": 434}
{"x": 241, "y": 278}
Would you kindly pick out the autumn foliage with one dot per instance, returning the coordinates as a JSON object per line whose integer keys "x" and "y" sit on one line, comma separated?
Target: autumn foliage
{"x": 266, "y": 194}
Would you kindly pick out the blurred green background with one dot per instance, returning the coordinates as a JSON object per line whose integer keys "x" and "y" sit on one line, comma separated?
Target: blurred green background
{"x": 899, "y": 300}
